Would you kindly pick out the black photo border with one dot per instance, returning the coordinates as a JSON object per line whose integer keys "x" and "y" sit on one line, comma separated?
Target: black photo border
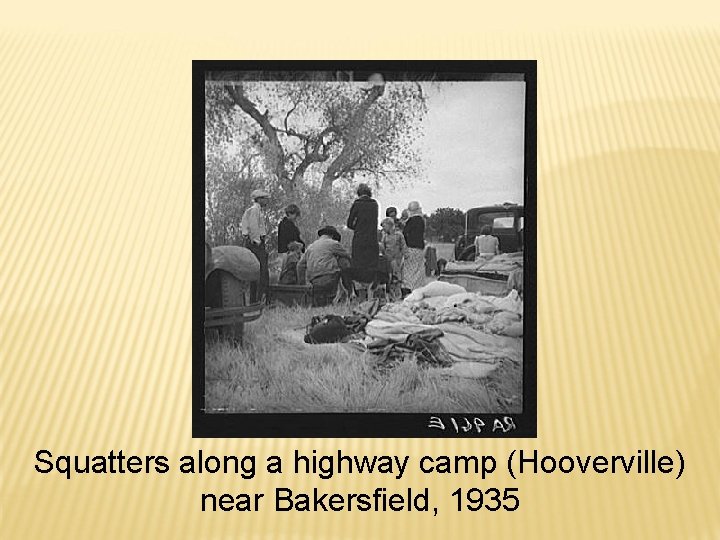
{"x": 339, "y": 425}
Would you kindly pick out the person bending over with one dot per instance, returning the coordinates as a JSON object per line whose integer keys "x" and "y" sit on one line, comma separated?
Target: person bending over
{"x": 322, "y": 263}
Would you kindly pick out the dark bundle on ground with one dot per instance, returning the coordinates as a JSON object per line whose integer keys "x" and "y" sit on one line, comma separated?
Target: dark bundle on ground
{"x": 326, "y": 329}
{"x": 423, "y": 347}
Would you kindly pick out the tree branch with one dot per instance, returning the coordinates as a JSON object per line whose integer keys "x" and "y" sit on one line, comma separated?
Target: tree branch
{"x": 288, "y": 116}
{"x": 349, "y": 154}
{"x": 275, "y": 154}
{"x": 293, "y": 133}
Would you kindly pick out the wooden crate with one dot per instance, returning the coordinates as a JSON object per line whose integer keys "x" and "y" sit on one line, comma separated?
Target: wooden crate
{"x": 291, "y": 295}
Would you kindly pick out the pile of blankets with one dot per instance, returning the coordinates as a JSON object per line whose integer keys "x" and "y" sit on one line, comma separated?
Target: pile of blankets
{"x": 441, "y": 325}
{"x": 475, "y": 328}
{"x": 440, "y": 302}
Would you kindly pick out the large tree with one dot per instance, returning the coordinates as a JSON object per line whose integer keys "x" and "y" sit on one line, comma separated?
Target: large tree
{"x": 310, "y": 139}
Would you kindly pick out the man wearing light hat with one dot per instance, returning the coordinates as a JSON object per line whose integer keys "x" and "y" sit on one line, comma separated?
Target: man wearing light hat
{"x": 254, "y": 231}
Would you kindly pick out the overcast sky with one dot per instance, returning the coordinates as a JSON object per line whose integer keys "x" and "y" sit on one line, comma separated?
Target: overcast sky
{"x": 474, "y": 148}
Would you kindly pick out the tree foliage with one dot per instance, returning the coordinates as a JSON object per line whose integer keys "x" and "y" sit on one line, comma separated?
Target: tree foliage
{"x": 446, "y": 224}
{"x": 307, "y": 142}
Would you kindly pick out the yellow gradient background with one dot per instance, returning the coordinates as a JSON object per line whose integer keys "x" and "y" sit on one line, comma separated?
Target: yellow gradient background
{"x": 95, "y": 280}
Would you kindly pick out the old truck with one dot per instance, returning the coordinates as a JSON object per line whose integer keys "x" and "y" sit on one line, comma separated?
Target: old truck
{"x": 506, "y": 222}
{"x": 489, "y": 275}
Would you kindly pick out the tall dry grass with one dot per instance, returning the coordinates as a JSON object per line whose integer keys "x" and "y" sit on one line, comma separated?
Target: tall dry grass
{"x": 276, "y": 372}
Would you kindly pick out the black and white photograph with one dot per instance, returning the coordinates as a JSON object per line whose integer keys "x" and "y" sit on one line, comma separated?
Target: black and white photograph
{"x": 364, "y": 248}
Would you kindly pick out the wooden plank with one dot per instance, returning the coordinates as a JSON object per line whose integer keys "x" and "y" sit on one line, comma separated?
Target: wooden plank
{"x": 223, "y": 322}
{"x": 239, "y": 315}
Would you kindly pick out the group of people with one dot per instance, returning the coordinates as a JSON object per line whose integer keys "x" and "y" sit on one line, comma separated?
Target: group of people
{"x": 403, "y": 242}
{"x": 394, "y": 254}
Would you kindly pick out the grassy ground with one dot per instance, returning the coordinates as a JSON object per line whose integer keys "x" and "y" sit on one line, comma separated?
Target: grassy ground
{"x": 276, "y": 372}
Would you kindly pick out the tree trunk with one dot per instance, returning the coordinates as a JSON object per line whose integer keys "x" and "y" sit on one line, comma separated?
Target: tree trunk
{"x": 274, "y": 152}
{"x": 299, "y": 173}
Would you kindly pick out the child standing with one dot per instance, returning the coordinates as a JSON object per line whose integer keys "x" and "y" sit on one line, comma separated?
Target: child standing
{"x": 392, "y": 244}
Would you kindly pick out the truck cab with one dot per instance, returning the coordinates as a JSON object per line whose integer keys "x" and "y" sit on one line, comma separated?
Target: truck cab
{"x": 506, "y": 221}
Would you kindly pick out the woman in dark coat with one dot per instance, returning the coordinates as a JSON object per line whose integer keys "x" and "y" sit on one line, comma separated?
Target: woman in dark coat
{"x": 288, "y": 230}
{"x": 363, "y": 220}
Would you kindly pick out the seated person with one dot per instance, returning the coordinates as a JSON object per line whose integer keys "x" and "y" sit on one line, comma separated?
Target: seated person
{"x": 288, "y": 274}
{"x": 485, "y": 243}
{"x": 322, "y": 262}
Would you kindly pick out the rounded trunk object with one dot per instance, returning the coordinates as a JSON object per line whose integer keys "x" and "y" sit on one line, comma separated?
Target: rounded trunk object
{"x": 238, "y": 261}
